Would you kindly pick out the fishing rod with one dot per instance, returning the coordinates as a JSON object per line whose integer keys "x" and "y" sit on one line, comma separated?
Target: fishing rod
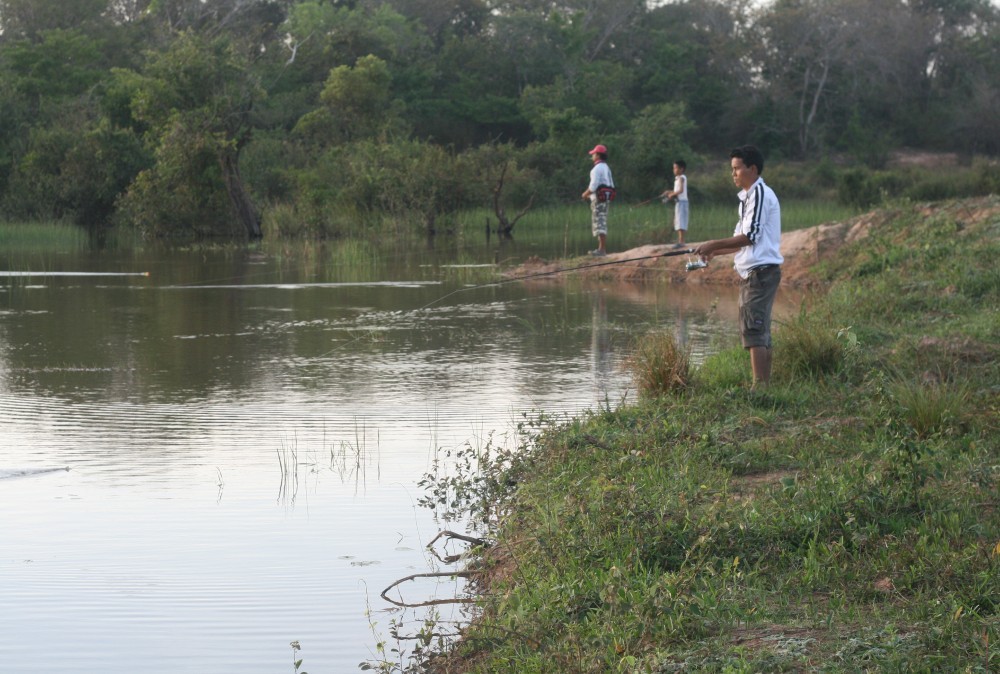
{"x": 525, "y": 277}
{"x": 643, "y": 203}
{"x": 658, "y": 196}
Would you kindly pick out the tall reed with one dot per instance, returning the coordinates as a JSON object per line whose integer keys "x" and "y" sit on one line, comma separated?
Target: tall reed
{"x": 41, "y": 236}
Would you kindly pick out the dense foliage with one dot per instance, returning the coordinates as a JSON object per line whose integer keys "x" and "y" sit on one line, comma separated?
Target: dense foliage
{"x": 251, "y": 117}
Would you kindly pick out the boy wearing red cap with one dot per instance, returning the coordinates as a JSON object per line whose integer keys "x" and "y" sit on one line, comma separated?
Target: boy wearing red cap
{"x": 599, "y": 192}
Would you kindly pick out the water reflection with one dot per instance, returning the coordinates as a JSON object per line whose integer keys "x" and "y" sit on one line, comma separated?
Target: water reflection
{"x": 600, "y": 342}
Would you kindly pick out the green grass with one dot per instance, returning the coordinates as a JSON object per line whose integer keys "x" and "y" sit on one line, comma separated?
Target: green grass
{"x": 42, "y": 236}
{"x": 845, "y": 520}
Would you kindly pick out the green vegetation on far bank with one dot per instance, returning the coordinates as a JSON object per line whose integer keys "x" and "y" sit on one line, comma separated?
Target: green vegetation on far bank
{"x": 41, "y": 236}
{"x": 242, "y": 119}
{"x": 843, "y": 520}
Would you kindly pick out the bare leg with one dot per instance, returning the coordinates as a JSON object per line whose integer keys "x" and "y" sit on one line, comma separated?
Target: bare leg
{"x": 760, "y": 363}
{"x": 601, "y": 239}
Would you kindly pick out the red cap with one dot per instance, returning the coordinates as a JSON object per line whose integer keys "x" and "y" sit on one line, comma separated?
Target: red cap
{"x": 599, "y": 148}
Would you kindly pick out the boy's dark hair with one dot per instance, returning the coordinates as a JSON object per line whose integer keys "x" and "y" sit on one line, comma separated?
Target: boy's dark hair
{"x": 682, "y": 164}
{"x": 750, "y": 155}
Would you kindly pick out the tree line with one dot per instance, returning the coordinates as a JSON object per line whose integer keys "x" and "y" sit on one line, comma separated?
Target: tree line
{"x": 236, "y": 118}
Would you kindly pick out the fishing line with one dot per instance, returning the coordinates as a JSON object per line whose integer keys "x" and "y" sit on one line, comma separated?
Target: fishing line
{"x": 525, "y": 277}
{"x": 304, "y": 265}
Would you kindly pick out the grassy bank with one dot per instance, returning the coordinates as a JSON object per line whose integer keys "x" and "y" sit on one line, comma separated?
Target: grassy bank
{"x": 843, "y": 520}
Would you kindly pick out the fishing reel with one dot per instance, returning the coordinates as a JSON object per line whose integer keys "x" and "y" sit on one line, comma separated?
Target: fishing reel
{"x": 692, "y": 265}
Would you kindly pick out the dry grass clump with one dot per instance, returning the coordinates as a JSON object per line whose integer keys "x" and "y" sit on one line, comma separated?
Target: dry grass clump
{"x": 659, "y": 365}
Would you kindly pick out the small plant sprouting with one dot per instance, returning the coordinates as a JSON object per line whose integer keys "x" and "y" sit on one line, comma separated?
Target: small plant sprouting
{"x": 297, "y": 661}
{"x": 474, "y": 480}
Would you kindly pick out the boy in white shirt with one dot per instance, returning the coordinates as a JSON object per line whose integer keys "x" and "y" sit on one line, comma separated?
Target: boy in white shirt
{"x": 756, "y": 242}
{"x": 679, "y": 195}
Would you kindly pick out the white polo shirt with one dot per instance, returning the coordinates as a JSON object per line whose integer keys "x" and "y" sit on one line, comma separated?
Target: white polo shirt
{"x": 760, "y": 221}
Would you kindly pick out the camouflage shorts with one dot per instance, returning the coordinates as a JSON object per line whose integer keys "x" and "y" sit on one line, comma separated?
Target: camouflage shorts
{"x": 599, "y": 216}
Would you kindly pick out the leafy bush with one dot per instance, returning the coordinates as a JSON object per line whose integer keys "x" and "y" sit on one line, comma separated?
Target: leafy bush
{"x": 405, "y": 181}
{"x": 183, "y": 194}
{"x": 987, "y": 176}
{"x": 862, "y": 188}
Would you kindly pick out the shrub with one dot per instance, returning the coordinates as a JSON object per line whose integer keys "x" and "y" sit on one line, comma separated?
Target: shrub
{"x": 659, "y": 365}
{"x": 862, "y": 188}
{"x": 987, "y": 174}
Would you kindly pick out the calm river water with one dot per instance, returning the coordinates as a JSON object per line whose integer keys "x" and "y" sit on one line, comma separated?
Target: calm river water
{"x": 199, "y": 466}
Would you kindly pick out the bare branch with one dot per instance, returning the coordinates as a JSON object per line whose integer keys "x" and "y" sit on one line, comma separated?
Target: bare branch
{"x": 431, "y": 602}
{"x": 460, "y": 537}
{"x": 451, "y": 559}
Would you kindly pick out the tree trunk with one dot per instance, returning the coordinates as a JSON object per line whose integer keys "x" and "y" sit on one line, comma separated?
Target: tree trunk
{"x": 243, "y": 207}
{"x": 505, "y": 227}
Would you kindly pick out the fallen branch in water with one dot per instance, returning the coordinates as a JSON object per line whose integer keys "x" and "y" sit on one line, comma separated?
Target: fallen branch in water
{"x": 451, "y": 559}
{"x": 431, "y": 602}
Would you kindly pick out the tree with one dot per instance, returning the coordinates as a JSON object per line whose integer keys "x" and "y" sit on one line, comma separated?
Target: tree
{"x": 249, "y": 18}
{"x": 505, "y": 225}
{"x": 399, "y": 182}
{"x": 809, "y": 42}
{"x": 96, "y": 170}
{"x": 357, "y": 104}
{"x": 325, "y": 35}
{"x": 823, "y": 59}
{"x": 29, "y": 19}
{"x": 657, "y": 136}
{"x": 58, "y": 65}
{"x": 50, "y": 113}
{"x": 696, "y": 53}
{"x": 962, "y": 83}
{"x": 195, "y": 99}
{"x": 444, "y": 19}
{"x": 562, "y": 157}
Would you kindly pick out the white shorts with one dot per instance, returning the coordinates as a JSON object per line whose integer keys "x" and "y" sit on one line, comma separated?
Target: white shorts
{"x": 681, "y": 215}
